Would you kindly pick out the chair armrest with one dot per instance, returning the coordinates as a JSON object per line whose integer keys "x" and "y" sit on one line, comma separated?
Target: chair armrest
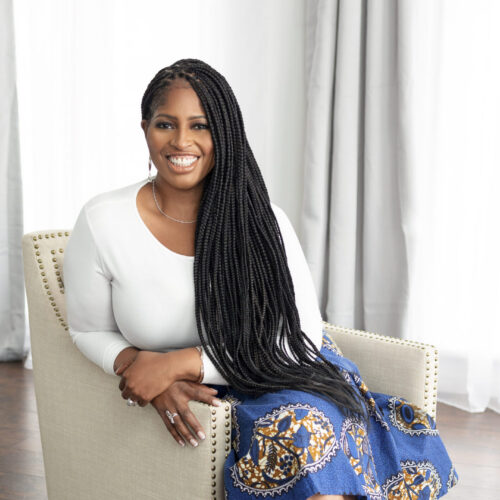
{"x": 94, "y": 445}
{"x": 403, "y": 368}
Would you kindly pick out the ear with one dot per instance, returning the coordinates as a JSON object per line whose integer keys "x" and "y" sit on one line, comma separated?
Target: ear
{"x": 144, "y": 126}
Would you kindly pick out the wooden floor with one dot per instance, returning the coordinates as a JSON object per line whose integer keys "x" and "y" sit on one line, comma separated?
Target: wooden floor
{"x": 472, "y": 440}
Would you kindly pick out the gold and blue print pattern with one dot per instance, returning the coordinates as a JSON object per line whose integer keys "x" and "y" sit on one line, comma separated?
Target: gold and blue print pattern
{"x": 356, "y": 446}
{"x": 415, "y": 480}
{"x": 409, "y": 418}
{"x": 286, "y": 444}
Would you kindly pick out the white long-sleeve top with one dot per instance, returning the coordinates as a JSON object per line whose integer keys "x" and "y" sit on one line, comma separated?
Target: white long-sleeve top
{"x": 124, "y": 288}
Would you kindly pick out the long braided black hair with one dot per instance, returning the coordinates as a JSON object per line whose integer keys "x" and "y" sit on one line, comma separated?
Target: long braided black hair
{"x": 243, "y": 288}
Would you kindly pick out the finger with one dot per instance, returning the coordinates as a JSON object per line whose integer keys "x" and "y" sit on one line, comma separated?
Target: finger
{"x": 170, "y": 427}
{"x": 205, "y": 395}
{"x": 121, "y": 369}
{"x": 189, "y": 418}
{"x": 182, "y": 428}
{"x": 122, "y": 384}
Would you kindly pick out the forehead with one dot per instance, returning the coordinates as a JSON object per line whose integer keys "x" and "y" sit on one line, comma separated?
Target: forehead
{"x": 180, "y": 96}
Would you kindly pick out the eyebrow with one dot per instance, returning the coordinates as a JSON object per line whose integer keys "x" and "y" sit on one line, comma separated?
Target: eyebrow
{"x": 175, "y": 118}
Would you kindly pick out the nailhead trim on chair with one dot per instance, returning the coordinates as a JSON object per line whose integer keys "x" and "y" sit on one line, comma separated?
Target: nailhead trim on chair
{"x": 431, "y": 361}
{"x": 41, "y": 265}
{"x": 227, "y": 431}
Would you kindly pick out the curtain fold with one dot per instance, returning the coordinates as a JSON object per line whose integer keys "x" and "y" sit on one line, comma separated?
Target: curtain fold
{"x": 398, "y": 211}
{"x": 12, "y": 302}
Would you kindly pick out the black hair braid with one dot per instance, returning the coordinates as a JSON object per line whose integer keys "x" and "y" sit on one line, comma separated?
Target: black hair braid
{"x": 245, "y": 308}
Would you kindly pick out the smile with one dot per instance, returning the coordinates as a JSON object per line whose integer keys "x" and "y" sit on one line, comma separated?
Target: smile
{"x": 182, "y": 164}
{"x": 182, "y": 161}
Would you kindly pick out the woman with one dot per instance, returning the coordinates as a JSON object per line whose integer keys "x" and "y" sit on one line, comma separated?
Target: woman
{"x": 200, "y": 255}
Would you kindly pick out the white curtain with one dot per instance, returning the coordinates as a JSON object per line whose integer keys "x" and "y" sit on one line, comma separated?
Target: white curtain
{"x": 400, "y": 217}
{"x": 83, "y": 67}
{"x": 12, "y": 324}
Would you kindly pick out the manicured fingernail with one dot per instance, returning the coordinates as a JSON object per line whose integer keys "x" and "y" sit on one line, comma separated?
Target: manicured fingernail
{"x": 182, "y": 443}
{"x": 216, "y": 402}
{"x": 201, "y": 434}
{"x": 194, "y": 442}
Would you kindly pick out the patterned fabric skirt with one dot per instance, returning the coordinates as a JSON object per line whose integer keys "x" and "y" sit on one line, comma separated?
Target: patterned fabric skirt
{"x": 291, "y": 444}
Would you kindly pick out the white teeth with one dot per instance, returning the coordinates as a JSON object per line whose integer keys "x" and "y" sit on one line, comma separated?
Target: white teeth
{"x": 182, "y": 161}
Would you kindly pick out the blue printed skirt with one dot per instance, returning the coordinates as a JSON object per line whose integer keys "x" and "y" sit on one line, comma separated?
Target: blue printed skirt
{"x": 291, "y": 445}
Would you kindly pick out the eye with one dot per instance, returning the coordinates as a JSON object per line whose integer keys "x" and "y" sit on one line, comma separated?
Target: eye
{"x": 163, "y": 124}
{"x": 202, "y": 125}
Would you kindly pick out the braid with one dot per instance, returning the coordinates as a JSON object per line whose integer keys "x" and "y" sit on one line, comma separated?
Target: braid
{"x": 244, "y": 296}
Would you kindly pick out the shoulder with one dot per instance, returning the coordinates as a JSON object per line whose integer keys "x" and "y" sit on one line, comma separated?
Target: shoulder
{"x": 110, "y": 207}
{"x": 282, "y": 218}
{"x": 104, "y": 200}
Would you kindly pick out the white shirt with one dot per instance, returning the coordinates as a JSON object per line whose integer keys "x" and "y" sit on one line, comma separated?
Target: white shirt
{"x": 124, "y": 288}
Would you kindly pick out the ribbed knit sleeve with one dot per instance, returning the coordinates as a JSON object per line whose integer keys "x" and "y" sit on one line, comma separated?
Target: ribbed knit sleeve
{"x": 91, "y": 323}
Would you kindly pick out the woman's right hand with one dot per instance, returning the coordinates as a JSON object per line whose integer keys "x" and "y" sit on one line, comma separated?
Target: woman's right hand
{"x": 175, "y": 399}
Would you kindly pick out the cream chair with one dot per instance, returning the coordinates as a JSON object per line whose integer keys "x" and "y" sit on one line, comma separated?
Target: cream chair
{"x": 95, "y": 447}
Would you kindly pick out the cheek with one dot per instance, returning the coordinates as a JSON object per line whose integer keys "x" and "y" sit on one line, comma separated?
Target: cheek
{"x": 154, "y": 141}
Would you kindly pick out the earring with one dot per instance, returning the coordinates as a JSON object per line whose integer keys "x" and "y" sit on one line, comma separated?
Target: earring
{"x": 150, "y": 179}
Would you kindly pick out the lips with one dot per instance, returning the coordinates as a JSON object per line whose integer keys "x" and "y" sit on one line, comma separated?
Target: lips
{"x": 183, "y": 163}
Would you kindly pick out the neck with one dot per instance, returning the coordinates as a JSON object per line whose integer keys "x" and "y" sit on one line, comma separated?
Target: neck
{"x": 181, "y": 204}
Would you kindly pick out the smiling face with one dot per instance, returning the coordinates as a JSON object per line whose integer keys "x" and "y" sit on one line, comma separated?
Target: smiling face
{"x": 179, "y": 139}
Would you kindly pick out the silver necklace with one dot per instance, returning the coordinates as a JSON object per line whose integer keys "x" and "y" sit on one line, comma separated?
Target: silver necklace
{"x": 156, "y": 201}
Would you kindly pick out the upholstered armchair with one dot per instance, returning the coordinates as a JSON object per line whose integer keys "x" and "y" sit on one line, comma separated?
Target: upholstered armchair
{"x": 95, "y": 447}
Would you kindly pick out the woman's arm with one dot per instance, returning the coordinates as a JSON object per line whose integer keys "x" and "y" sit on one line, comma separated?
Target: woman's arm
{"x": 87, "y": 285}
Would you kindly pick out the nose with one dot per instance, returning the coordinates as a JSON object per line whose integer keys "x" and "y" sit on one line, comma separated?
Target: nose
{"x": 181, "y": 138}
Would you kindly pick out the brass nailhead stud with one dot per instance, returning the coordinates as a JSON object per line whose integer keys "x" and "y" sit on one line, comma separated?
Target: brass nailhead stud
{"x": 214, "y": 412}
{"x": 58, "y": 273}
{"x": 228, "y": 432}
{"x": 213, "y": 459}
{"x": 54, "y": 259}
{"x": 56, "y": 266}
{"x": 213, "y": 467}
{"x": 43, "y": 273}
{"x": 37, "y": 253}
{"x": 40, "y": 266}
{"x": 34, "y": 239}
{"x": 46, "y": 286}
{"x": 59, "y": 234}
{"x": 36, "y": 244}
{"x": 52, "y": 252}
{"x": 214, "y": 484}
{"x": 214, "y": 442}
{"x": 214, "y": 419}
{"x": 213, "y": 434}
{"x": 66, "y": 233}
{"x": 39, "y": 260}
{"x": 214, "y": 426}
{"x": 227, "y": 424}
{"x": 61, "y": 250}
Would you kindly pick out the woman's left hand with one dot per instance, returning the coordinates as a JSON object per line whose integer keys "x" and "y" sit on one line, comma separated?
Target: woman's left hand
{"x": 146, "y": 377}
